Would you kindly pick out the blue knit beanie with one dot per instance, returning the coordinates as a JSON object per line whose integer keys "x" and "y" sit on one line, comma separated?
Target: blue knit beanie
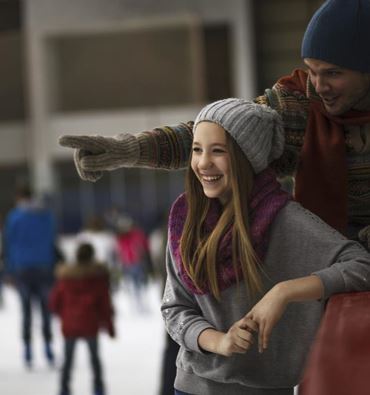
{"x": 339, "y": 33}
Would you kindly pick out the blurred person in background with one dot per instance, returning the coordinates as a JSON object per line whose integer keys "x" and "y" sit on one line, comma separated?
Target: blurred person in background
{"x": 1, "y": 284}
{"x": 104, "y": 242}
{"x": 29, "y": 256}
{"x": 158, "y": 243}
{"x": 82, "y": 300}
{"x": 1, "y": 265}
{"x": 112, "y": 217}
{"x": 134, "y": 255}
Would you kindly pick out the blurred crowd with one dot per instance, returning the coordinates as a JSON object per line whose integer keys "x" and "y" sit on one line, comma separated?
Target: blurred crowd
{"x": 75, "y": 278}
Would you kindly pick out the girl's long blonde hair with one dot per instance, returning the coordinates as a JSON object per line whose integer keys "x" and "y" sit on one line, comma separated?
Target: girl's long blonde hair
{"x": 199, "y": 251}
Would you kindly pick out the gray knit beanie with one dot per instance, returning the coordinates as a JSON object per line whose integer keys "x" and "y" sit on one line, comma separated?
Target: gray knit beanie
{"x": 339, "y": 33}
{"x": 257, "y": 129}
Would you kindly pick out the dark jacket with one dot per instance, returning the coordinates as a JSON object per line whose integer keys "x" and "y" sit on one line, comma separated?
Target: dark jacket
{"x": 82, "y": 300}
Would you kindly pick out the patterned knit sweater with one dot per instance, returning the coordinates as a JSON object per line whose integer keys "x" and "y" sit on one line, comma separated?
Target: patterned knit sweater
{"x": 293, "y": 108}
{"x": 173, "y": 147}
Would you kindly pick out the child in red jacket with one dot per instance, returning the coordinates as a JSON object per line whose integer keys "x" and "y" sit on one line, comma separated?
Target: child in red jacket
{"x": 81, "y": 298}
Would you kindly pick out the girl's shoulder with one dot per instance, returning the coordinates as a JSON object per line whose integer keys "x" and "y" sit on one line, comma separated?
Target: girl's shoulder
{"x": 296, "y": 219}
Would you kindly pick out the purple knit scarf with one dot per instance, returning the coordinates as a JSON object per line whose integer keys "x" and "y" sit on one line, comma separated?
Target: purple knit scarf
{"x": 267, "y": 199}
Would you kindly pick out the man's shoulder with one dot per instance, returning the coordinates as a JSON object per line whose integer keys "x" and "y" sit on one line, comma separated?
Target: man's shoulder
{"x": 289, "y": 97}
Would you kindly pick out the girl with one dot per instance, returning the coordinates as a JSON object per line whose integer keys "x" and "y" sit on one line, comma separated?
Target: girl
{"x": 241, "y": 254}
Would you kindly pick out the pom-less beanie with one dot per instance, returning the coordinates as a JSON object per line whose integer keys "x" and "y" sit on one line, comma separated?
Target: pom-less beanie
{"x": 257, "y": 129}
{"x": 339, "y": 33}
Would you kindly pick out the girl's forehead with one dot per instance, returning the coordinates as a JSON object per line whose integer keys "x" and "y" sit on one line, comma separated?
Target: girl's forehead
{"x": 209, "y": 131}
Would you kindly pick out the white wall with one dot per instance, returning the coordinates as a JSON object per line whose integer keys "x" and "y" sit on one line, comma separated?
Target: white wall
{"x": 13, "y": 142}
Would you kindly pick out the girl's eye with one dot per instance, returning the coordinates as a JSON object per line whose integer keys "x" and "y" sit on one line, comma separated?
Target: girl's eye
{"x": 196, "y": 149}
{"x": 219, "y": 151}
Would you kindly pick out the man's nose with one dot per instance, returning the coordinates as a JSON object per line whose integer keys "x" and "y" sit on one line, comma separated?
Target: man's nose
{"x": 321, "y": 85}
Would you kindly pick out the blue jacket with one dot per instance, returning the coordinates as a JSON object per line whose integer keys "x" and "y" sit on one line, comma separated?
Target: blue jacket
{"x": 29, "y": 238}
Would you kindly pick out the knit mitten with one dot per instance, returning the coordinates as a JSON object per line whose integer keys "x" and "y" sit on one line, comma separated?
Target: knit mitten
{"x": 93, "y": 154}
{"x": 167, "y": 147}
{"x": 364, "y": 236}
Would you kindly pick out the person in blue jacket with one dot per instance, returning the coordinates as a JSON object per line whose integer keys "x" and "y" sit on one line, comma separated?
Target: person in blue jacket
{"x": 29, "y": 254}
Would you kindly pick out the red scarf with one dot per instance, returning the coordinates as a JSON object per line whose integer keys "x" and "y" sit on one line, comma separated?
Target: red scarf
{"x": 321, "y": 179}
{"x": 267, "y": 199}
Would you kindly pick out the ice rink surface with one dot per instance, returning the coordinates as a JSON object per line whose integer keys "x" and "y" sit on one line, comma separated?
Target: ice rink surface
{"x": 131, "y": 361}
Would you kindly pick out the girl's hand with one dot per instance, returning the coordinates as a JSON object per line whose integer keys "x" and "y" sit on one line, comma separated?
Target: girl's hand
{"x": 266, "y": 313}
{"x": 238, "y": 338}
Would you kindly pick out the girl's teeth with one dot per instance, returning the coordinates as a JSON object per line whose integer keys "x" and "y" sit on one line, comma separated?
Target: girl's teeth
{"x": 211, "y": 178}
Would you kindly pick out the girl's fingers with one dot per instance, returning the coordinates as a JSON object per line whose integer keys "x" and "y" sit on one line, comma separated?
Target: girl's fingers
{"x": 246, "y": 334}
{"x": 266, "y": 336}
{"x": 245, "y": 339}
{"x": 239, "y": 350}
{"x": 252, "y": 324}
{"x": 261, "y": 337}
{"x": 248, "y": 324}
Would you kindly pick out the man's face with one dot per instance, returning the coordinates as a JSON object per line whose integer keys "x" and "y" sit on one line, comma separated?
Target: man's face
{"x": 340, "y": 89}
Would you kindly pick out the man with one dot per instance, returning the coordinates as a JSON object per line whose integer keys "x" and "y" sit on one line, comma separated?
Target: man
{"x": 29, "y": 254}
{"x": 326, "y": 115}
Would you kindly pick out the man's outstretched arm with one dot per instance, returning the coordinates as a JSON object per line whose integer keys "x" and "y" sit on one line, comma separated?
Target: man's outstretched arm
{"x": 167, "y": 147}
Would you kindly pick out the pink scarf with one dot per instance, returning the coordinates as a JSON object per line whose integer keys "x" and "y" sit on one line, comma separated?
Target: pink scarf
{"x": 267, "y": 199}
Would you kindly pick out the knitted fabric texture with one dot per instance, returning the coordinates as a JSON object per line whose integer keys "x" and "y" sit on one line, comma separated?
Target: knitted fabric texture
{"x": 256, "y": 129}
{"x": 267, "y": 200}
{"x": 166, "y": 148}
{"x": 321, "y": 179}
{"x": 338, "y": 33}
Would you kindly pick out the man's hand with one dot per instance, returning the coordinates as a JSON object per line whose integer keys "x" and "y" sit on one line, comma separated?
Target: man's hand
{"x": 94, "y": 154}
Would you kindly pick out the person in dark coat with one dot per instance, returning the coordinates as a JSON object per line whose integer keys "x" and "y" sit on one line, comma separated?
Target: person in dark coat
{"x": 81, "y": 299}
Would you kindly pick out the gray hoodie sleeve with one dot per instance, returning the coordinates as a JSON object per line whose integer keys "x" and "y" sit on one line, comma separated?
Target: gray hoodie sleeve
{"x": 349, "y": 270}
{"x": 343, "y": 265}
{"x": 182, "y": 315}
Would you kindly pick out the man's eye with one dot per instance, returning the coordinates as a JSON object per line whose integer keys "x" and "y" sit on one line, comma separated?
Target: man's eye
{"x": 311, "y": 73}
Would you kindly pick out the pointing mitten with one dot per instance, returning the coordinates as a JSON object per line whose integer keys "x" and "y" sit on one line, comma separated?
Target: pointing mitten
{"x": 93, "y": 154}
{"x": 165, "y": 148}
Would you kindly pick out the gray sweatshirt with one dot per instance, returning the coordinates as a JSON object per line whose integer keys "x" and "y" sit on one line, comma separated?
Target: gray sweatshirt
{"x": 300, "y": 244}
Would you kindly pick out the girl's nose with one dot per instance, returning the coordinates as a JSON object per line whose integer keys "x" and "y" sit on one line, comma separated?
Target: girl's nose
{"x": 205, "y": 161}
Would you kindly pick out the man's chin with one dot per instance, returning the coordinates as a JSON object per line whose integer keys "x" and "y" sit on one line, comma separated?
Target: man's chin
{"x": 334, "y": 110}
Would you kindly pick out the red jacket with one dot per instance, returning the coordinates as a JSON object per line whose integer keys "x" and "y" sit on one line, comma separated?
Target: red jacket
{"x": 133, "y": 247}
{"x": 82, "y": 300}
